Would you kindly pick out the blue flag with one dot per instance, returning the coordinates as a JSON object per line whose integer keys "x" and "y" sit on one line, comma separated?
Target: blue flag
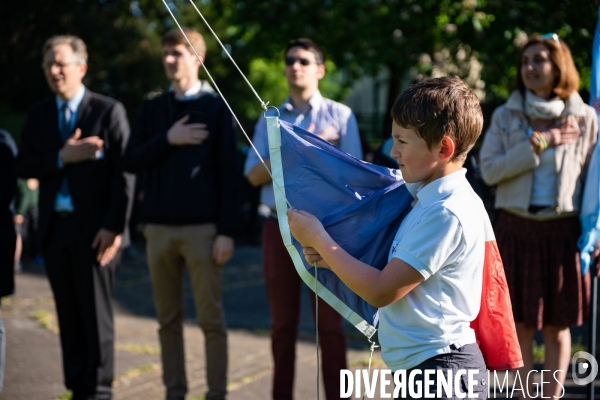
{"x": 360, "y": 205}
{"x": 590, "y": 204}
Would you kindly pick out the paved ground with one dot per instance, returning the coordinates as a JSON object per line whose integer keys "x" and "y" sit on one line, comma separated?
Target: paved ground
{"x": 33, "y": 366}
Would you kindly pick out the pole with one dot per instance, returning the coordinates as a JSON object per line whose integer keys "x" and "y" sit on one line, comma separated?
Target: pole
{"x": 592, "y": 321}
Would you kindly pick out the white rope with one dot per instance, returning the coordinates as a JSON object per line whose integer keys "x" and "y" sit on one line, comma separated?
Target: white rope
{"x": 373, "y": 347}
{"x": 263, "y": 104}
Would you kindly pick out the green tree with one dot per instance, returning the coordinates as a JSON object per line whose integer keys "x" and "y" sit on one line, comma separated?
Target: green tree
{"x": 123, "y": 50}
{"x": 514, "y": 20}
{"x": 361, "y": 37}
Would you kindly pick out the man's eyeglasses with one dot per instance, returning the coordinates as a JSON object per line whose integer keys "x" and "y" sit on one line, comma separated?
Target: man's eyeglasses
{"x": 60, "y": 65}
{"x": 552, "y": 36}
{"x": 289, "y": 61}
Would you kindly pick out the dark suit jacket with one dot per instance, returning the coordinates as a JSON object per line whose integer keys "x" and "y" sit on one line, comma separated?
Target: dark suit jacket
{"x": 98, "y": 188}
{"x": 8, "y": 185}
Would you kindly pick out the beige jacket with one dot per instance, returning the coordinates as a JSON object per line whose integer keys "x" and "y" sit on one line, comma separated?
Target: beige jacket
{"x": 507, "y": 158}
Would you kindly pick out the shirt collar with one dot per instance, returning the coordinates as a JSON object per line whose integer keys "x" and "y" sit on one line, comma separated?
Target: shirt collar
{"x": 74, "y": 102}
{"x": 200, "y": 88}
{"x": 441, "y": 188}
{"x": 314, "y": 102}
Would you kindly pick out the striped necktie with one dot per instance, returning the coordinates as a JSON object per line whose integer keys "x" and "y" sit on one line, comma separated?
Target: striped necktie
{"x": 65, "y": 123}
{"x": 65, "y": 133}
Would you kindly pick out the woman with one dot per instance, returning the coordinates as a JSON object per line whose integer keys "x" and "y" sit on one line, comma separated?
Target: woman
{"x": 536, "y": 151}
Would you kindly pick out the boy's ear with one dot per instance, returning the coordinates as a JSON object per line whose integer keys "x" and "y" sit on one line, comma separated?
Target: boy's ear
{"x": 447, "y": 148}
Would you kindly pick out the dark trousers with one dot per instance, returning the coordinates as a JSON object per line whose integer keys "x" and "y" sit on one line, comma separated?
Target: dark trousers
{"x": 82, "y": 293}
{"x": 467, "y": 357}
{"x": 284, "y": 292}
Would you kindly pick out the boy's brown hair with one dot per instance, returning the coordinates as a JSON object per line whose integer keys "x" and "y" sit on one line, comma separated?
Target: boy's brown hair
{"x": 560, "y": 56}
{"x": 439, "y": 107}
{"x": 175, "y": 37}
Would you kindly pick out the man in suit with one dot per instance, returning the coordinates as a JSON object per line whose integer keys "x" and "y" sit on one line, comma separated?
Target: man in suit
{"x": 8, "y": 186}
{"x": 73, "y": 143}
{"x": 184, "y": 139}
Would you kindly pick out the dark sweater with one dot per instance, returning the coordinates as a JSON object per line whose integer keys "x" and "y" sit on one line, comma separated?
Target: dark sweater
{"x": 190, "y": 184}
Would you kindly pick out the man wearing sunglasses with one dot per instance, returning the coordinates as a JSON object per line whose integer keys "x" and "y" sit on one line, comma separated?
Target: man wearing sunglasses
{"x": 334, "y": 122}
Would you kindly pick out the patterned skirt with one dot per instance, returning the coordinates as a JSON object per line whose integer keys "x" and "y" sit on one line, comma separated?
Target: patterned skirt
{"x": 541, "y": 262}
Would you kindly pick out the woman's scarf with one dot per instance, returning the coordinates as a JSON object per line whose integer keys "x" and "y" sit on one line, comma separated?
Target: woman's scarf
{"x": 538, "y": 108}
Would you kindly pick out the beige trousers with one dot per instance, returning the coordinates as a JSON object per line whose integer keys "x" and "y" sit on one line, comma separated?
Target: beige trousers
{"x": 169, "y": 249}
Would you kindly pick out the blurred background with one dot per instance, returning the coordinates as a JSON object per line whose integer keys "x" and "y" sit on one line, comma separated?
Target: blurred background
{"x": 375, "y": 48}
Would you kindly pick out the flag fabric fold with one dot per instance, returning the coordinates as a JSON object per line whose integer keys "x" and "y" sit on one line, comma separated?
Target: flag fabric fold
{"x": 590, "y": 204}
{"x": 494, "y": 326}
{"x": 361, "y": 206}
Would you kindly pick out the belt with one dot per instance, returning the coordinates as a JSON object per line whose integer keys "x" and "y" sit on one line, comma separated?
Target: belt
{"x": 273, "y": 214}
{"x": 64, "y": 214}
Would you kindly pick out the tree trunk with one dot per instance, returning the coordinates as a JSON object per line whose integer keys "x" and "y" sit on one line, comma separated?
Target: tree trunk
{"x": 396, "y": 74}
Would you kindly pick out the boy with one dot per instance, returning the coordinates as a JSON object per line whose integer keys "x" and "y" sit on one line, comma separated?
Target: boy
{"x": 430, "y": 290}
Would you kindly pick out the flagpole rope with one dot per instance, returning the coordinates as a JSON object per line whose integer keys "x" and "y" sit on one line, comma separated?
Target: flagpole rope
{"x": 373, "y": 347}
{"x": 264, "y": 105}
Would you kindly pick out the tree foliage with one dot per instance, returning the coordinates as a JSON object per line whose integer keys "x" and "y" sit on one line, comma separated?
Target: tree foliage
{"x": 361, "y": 38}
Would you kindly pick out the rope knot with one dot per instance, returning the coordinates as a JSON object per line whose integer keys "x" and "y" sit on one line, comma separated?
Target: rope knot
{"x": 373, "y": 346}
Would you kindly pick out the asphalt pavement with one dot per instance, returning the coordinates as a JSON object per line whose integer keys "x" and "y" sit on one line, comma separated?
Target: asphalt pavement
{"x": 33, "y": 358}
{"x": 33, "y": 368}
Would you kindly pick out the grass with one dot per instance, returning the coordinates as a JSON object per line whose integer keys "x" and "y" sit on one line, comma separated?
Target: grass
{"x": 46, "y": 319}
{"x": 578, "y": 346}
{"x": 68, "y": 395}
{"x": 364, "y": 363}
{"x": 138, "y": 349}
{"x": 135, "y": 372}
{"x": 539, "y": 350}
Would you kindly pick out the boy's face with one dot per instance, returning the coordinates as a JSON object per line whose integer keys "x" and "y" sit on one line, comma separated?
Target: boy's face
{"x": 417, "y": 162}
{"x": 179, "y": 62}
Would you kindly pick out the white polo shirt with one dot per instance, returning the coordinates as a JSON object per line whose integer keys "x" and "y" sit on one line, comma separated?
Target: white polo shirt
{"x": 442, "y": 237}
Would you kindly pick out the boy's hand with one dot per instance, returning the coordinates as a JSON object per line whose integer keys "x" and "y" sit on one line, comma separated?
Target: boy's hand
{"x": 305, "y": 227}
{"x": 313, "y": 257}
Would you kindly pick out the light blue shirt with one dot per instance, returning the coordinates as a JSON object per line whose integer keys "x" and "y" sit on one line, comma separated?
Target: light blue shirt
{"x": 62, "y": 202}
{"x": 323, "y": 113}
